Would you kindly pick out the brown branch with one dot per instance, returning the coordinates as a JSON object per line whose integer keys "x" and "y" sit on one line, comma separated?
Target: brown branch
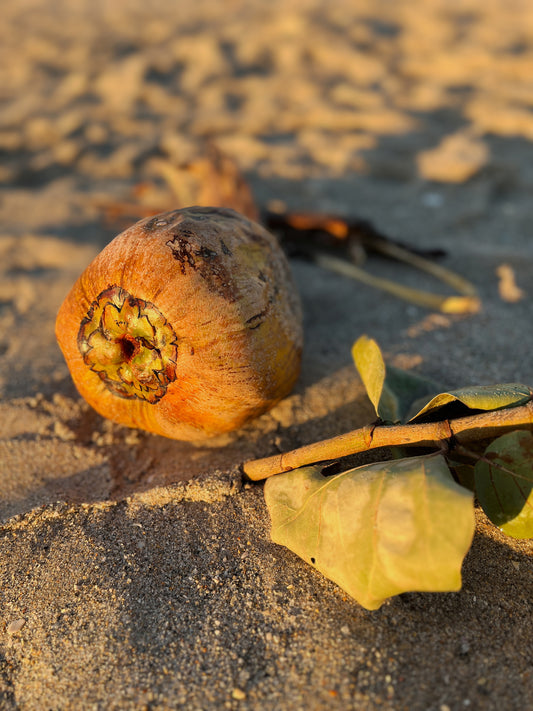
{"x": 486, "y": 425}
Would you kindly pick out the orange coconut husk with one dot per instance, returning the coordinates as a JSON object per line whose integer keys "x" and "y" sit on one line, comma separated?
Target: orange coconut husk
{"x": 187, "y": 324}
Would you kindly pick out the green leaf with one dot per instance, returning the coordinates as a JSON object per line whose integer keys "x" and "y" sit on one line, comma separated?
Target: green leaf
{"x": 476, "y": 397}
{"x": 464, "y": 473}
{"x": 391, "y": 390}
{"x": 378, "y": 530}
{"x": 504, "y": 483}
{"x": 400, "y": 396}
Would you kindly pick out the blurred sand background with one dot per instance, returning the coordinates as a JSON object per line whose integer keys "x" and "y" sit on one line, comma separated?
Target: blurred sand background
{"x": 136, "y": 572}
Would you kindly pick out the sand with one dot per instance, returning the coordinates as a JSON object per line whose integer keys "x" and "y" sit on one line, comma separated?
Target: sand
{"x": 137, "y": 572}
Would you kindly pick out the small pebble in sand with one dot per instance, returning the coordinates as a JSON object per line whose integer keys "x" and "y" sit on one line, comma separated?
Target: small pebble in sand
{"x": 507, "y": 287}
{"x": 15, "y": 626}
{"x": 238, "y": 694}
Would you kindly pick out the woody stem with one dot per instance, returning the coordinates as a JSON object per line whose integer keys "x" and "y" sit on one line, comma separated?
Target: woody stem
{"x": 486, "y": 425}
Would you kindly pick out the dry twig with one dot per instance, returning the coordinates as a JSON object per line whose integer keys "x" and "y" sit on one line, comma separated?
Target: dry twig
{"x": 462, "y": 430}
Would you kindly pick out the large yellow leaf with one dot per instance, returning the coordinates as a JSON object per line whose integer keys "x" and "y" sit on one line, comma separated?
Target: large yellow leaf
{"x": 378, "y": 530}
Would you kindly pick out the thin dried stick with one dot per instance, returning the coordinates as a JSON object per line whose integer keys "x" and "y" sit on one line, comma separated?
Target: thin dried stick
{"x": 486, "y": 425}
{"x": 436, "y": 302}
{"x": 446, "y": 276}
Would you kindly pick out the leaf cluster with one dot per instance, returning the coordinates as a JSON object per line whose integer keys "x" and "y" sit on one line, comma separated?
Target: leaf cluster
{"x": 406, "y": 524}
